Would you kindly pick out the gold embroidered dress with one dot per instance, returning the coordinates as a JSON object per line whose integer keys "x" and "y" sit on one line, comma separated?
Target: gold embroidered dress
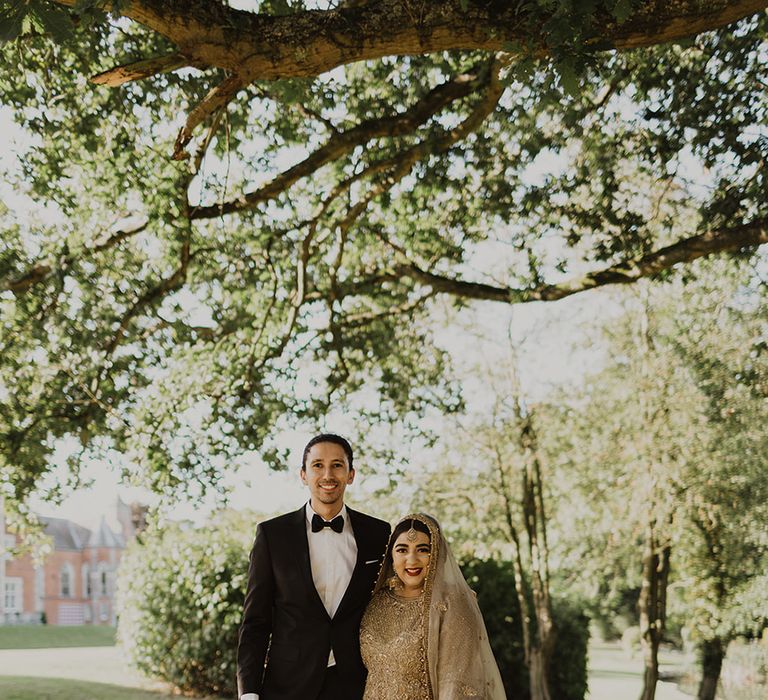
{"x": 392, "y": 646}
{"x": 433, "y": 647}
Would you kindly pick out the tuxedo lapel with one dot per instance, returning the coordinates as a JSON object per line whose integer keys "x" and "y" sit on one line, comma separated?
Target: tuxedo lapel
{"x": 356, "y": 586}
{"x": 301, "y": 545}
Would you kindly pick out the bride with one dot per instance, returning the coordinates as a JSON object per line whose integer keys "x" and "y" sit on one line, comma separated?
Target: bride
{"x": 422, "y": 636}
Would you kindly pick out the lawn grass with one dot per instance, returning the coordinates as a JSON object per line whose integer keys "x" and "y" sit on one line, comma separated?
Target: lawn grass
{"x": 48, "y": 636}
{"x": 25, "y": 688}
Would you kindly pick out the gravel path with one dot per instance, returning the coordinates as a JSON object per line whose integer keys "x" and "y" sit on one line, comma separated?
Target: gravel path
{"x": 98, "y": 664}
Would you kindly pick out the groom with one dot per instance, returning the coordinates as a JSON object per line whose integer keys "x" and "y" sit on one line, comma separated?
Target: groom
{"x": 310, "y": 577}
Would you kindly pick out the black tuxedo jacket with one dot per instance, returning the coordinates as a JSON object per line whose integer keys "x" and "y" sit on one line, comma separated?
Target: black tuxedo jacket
{"x": 286, "y": 633}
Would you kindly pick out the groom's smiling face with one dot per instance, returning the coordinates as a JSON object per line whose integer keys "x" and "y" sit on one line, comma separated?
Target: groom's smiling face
{"x": 327, "y": 474}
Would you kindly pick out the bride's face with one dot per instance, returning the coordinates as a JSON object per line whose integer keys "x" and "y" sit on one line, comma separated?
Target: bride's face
{"x": 410, "y": 559}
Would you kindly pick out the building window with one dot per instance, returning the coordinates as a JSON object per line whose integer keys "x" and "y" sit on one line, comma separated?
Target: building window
{"x": 14, "y": 595}
{"x": 104, "y": 589}
{"x": 66, "y": 581}
{"x": 86, "y": 581}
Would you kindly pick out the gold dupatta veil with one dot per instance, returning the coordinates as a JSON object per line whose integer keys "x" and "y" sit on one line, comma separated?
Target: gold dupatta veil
{"x": 459, "y": 659}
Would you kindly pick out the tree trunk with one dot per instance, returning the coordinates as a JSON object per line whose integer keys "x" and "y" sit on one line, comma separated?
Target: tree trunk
{"x": 539, "y": 672}
{"x": 652, "y": 604}
{"x": 517, "y": 560}
{"x": 538, "y": 639}
{"x": 653, "y": 608}
{"x": 538, "y": 642}
{"x": 712, "y": 652}
{"x": 538, "y": 552}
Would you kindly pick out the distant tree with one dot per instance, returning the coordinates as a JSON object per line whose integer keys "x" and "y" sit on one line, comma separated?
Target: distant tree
{"x": 695, "y": 464}
{"x": 490, "y": 491}
{"x": 726, "y": 499}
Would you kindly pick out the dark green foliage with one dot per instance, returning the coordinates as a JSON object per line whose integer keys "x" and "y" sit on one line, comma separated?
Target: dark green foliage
{"x": 29, "y": 17}
{"x": 614, "y": 608}
{"x": 494, "y": 583}
{"x": 26, "y": 16}
{"x": 569, "y": 666}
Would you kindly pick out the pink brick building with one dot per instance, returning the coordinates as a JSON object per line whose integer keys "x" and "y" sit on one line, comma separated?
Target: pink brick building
{"x": 75, "y": 584}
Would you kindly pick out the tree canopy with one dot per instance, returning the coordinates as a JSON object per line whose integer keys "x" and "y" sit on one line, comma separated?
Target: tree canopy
{"x": 250, "y": 221}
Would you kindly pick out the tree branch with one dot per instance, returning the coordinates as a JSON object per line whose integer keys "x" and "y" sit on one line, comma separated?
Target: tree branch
{"x": 120, "y": 236}
{"x": 215, "y": 101}
{"x": 361, "y": 319}
{"x": 311, "y": 42}
{"x": 138, "y": 70}
{"x": 345, "y": 142}
{"x": 397, "y": 167}
{"x": 256, "y": 339}
{"x": 685, "y": 251}
{"x": 31, "y": 277}
{"x": 169, "y": 284}
{"x": 42, "y": 270}
{"x": 401, "y": 165}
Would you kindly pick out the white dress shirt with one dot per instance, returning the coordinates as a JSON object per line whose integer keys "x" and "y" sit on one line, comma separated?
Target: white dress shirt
{"x": 332, "y": 557}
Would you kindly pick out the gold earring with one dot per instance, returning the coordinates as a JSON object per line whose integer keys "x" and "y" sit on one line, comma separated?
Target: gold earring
{"x": 394, "y": 582}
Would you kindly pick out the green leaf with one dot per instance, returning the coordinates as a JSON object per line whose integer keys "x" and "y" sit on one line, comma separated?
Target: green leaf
{"x": 11, "y": 21}
{"x": 90, "y": 11}
{"x": 684, "y": 43}
{"x": 278, "y": 8}
{"x": 622, "y": 10}
{"x": 570, "y": 80}
{"x": 84, "y": 6}
{"x": 56, "y": 21}
{"x": 516, "y": 47}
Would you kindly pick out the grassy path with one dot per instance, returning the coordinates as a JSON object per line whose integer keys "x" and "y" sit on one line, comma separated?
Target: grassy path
{"x": 77, "y": 673}
{"x": 92, "y": 664}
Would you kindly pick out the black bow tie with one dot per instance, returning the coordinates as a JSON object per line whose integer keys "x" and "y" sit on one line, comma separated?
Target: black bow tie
{"x": 337, "y": 524}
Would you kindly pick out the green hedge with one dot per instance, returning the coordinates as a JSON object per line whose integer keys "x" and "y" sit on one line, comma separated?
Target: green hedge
{"x": 181, "y": 595}
{"x": 494, "y": 583}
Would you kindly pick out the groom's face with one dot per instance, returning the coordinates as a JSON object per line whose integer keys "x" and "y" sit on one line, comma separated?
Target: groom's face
{"x": 327, "y": 474}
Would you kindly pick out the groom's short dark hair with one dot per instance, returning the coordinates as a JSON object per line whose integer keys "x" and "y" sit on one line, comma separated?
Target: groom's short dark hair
{"x": 327, "y": 437}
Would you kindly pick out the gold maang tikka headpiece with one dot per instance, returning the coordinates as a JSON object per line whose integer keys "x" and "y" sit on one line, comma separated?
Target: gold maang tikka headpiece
{"x": 411, "y": 534}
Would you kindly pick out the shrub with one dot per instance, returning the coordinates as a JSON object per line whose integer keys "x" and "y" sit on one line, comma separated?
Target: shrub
{"x": 569, "y": 659}
{"x": 180, "y": 597}
{"x": 494, "y": 583}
